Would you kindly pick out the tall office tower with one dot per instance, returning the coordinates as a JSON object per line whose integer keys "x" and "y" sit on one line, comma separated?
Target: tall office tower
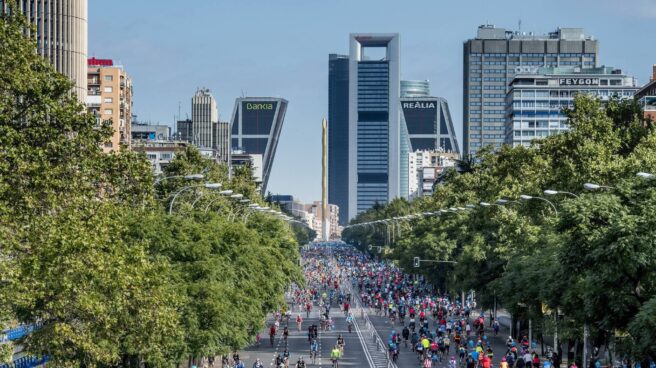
{"x": 538, "y": 96}
{"x": 61, "y": 35}
{"x": 256, "y": 126}
{"x": 415, "y": 88}
{"x": 222, "y": 140}
{"x": 204, "y": 115}
{"x": 374, "y": 127}
{"x": 109, "y": 97}
{"x": 490, "y": 60}
{"x": 338, "y": 133}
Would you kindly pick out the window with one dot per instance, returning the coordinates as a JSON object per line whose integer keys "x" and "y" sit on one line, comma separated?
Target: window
{"x": 108, "y": 89}
{"x": 108, "y": 111}
{"x": 151, "y": 156}
{"x": 109, "y": 78}
{"x": 108, "y": 100}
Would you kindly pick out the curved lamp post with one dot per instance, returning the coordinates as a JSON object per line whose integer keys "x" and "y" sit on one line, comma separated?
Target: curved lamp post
{"x": 528, "y": 198}
{"x": 206, "y": 186}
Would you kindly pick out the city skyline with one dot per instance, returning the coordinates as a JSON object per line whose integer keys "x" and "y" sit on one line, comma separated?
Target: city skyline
{"x": 234, "y": 57}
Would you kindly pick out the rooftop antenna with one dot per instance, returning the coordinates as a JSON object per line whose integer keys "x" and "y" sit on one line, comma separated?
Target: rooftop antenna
{"x": 519, "y": 23}
{"x": 179, "y": 107}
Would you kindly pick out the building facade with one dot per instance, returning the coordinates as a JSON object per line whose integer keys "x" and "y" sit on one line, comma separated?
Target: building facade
{"x": 149, "y": 132}
{"x": 204, "y": 115}
{"x": 109, "y": 98}
{"x": 256, "y": 126}
{"x": 489, "y": 66}
{"x": 425, "y": 167}
{"x": 159, "y": 153}
{"x": 374, "y": 126}
{"x": 61, "y": 35}
{"x": 317, "y": 220}
{"x": 538, "y": 96}
{"x": 222, "y": 140}
{"x": 184, "y": 130}
{"x": 646, "y": 97}
{"x": 338, "y": 133}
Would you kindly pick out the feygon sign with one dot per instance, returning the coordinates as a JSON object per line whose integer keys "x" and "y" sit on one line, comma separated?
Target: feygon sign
{"x": 419, "y": 105}
{"x": 578, "y": 81}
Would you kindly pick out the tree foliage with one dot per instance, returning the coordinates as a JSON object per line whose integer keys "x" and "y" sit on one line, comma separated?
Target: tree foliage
{"x": 594, "y": 260}
{"x": 89, "y": 254}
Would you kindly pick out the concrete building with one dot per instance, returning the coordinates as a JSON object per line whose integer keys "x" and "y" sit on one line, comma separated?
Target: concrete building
{"x": 425, "y": 167}
{"x": 537, "y": 97}
{"x": 374, "y": 126}
{"x": 646, "y": 96}
{"x": 109, "y": 97}
{"x": 222, "y": 140}
{"x": 61, "y": 35}
{"x": 204, "y": 115}
{"x": 317, "y": 220}
{"x": 256, "y": 126}
{"x": 149, "y": 132}
{"x": 159, "y": 153}
{"x": 490, "y": 60}
{"x": 338, "y": 133}
{"x": 240, "y": 158}
{"x": 184, "y": 130}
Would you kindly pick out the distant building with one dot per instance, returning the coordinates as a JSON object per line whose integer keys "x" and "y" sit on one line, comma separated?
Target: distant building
{"x": 425, "y": 166}
{"x": 374, "y": 126}
{"x": 338, "y": 133}
{"x": 61, "y": 35}
{"x": 489, "y": 66}
{"x": 537, "y": 97}
{"x": 241, "y": 158}
{"x": 646, "y": 96}
{"x": 109, "y": 97}
{"x": 159, "y": 153}
{"x": 184, "y": 130}
{"x": 222, "y": 140}
{"x": 150, "y": 132}
{"x": 256, "y": 126}
{"x": 204, "y": 115}
{"x": 284, "y": 200}
{"x": 317, "y": 220}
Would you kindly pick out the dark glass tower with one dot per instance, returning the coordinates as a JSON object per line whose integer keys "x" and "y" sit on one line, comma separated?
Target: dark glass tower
{"x": 338, "y": 133}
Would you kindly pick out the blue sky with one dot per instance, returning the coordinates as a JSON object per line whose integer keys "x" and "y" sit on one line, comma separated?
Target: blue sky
{"x": 280, "y": 48}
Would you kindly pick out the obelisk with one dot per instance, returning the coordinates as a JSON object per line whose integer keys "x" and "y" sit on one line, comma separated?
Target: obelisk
{"x": 325, "y": 224}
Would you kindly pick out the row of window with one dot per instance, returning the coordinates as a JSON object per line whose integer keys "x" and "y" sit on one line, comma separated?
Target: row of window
{"x": 488, "y": 127}
{"x": 531, "y": 54}
{"x": 488, "y": 136}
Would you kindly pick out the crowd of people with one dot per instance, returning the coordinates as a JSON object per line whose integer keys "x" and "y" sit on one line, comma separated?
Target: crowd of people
{"x": 436, "y": 327}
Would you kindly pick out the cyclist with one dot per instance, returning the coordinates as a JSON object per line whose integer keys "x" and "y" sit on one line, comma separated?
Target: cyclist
{"x": 285, "y": 357}
{"x": 406, "y": 335}
{"x": 349, "y": 322}
{"x": 299, "y": 322}
{"x": 300, "y": 363}
{"x": 335, "y": 354}
{"x": 285, "y": 334}
{"x": 258, "y": 364}
{"x": 394, "y": 351}
{"x": 314, "y": 346}
{"x": 272, "y": 334}
{"x": 340, "y": 343}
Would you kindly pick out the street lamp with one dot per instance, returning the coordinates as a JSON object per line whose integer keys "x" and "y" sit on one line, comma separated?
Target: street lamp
{"x": 186, "y": 177}
{"x": 528, "y": 198}
{"x": 593, "y": 186}
{"x": 206, "y": 186}
{"x": 646, "y": 175}
{"x": 554, "y": 192}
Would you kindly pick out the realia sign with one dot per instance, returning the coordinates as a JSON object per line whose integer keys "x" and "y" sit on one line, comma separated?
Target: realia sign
{"x": 419, "y": 105}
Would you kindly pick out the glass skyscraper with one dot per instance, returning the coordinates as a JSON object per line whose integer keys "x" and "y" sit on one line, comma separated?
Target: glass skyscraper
{"x": 374, "y": 126}
{"x": 338, "y": 133}
{"x": 489, "y": 66}
{"x": 256, "y": 126}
